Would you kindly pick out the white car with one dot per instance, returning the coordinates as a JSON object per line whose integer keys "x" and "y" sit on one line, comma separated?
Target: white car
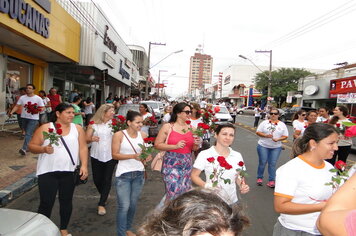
{"x": 157, "y": 108}
{"x": 17, "y": 222}
{"x": 223, "y": 116}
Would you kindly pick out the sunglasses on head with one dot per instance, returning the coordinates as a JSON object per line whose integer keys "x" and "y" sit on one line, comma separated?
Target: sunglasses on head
{"x": 187, "y": 112}
{"x": 274, "y": 113}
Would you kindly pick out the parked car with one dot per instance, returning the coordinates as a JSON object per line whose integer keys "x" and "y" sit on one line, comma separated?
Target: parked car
{"x": 288, "y": 113}
{"x": 157, "y": 107}
{"x": 246, "y": 110}
{"x": 17, "y": 222}
{"x": 124, "y": 108}
{"x": 223, "y": 116}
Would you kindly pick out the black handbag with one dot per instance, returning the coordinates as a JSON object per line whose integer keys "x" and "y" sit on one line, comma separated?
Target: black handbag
{"x": 76, "y": 173}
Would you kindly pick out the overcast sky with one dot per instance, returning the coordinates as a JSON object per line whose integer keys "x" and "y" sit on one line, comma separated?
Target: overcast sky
{"x": 305, "y": 34}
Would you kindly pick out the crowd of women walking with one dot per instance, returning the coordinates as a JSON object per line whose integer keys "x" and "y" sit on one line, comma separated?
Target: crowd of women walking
{"x": 184, "y": 158}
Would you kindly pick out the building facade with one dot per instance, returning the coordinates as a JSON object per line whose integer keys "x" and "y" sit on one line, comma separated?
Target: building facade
{"x": 34, "y": 34}
{"x": 141, "y": 60}
{"x": 200, "y": 73}
{"x": 106, "y": 63}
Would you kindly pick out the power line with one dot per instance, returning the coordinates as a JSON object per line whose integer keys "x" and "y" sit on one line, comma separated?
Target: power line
{"x": 314, "y": 24}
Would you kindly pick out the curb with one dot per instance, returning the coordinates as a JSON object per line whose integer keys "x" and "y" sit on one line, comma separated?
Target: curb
{"x": 16, "y": 189}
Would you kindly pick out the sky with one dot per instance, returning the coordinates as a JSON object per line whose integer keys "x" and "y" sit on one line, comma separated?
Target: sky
{"x": 313, "y": 34}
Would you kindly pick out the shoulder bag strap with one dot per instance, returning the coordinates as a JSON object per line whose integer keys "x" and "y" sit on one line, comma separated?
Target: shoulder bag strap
{"x": 169, "y": 132}
{"x": 129, "y": 142}
{"x": 65, "y": 145}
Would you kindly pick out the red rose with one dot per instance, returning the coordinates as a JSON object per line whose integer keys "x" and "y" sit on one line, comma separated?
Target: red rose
{"x": 121, "y": 118}
{"x": 201, "y": 125}
{"x": 217, "y": 109}
{"x": 50, "y": 130}
{"x": 211, "y": 159}
{"x": 59, "y": 131}
{"x": 188, "y": 122}
{"x": 114, "y": 122}
{"x": 305, "y": 126}
{"x": 221, "y": 159}
{"x": 228, "y": 166}
{"x": 241, "y": 163}
{"x": 210, "y": 111}
{"x": 340, "y": 165}
{"x": 276, "y": 123}
{"x": 338, "y": 125}
{"x": 206, "y": 115}
{"x": 270, "y": 122}
{"x": 58, "y": 126}
{"x": 91, "y": 122}
{"x": 149, "y": 140}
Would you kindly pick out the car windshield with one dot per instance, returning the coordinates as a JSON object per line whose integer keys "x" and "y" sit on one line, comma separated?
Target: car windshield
{"x": 154, "y": 105}
{"x": 125, "y": 108}
{"x": 223, "y": 110}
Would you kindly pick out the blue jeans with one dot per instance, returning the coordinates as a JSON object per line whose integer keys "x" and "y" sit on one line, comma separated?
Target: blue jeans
{"x": 29, "y": 126}
{"x": 128, "y": 189}
{"x": 270, "y": 156}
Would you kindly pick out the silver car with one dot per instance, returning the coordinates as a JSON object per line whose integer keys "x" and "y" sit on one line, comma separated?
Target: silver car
{"x": 17, "y": 222}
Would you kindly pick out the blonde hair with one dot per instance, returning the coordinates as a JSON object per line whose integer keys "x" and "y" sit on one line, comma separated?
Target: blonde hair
{"x": 98, "y": 118}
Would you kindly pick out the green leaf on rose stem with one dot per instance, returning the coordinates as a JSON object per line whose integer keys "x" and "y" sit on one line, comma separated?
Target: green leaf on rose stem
{"x": 56, "y": 143}
{"x": 328, "y": 184}
{"x": 338, "y": 181}
{"x": 211, "y": 176}
{"x": 334, "y": 170}
{"x": 215, "y": 183}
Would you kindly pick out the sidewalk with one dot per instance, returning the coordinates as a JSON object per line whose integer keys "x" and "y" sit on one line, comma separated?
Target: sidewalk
{"x": 17, "y": 172}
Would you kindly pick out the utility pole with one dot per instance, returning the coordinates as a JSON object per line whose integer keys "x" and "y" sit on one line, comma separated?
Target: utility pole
{"x": 270, "y": 74}
{"x": 148, "y": 66}
{"x": 105, "y": 74}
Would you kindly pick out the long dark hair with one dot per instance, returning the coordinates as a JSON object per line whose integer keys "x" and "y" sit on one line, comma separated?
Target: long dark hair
{"x": 296, "y": 115}
{"x": 60, "y": 108}
{"x": 316, "y": 132}
{"x": 344, "y": 111}
{"x": 179, "y": 107}
{"x": 145, "y": 106}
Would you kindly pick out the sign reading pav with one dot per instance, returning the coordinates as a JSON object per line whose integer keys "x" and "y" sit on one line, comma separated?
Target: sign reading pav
{"x": 342, "y": 86}
{"x": 26, "y": 15}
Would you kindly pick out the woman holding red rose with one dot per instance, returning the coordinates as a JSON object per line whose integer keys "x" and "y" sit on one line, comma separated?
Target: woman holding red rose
{"x": 100, "y": 136}
{"x": 345, "y": 143}
{"x": 221, "y": 162}
{"x": 177, "y": 161}
{"x": 54, "y": 167}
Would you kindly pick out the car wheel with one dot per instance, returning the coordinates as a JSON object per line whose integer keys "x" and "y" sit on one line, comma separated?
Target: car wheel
{"x": 241, "y": 112}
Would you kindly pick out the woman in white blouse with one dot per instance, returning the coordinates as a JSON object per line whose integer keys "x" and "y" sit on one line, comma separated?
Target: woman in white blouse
{"x": 100, "y": 136}
{"x": 55, "y": 168}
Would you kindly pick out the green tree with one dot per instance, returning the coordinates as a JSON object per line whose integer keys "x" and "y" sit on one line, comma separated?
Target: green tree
{"x": 283, "y": 80}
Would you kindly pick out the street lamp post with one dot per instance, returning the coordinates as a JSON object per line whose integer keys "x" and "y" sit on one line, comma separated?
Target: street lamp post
{"x": 269, "y": 74}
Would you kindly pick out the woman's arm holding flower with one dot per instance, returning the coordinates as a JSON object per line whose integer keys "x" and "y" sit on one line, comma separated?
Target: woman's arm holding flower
{"x": 89, "y": 135}
{"x": 35, "y": 145}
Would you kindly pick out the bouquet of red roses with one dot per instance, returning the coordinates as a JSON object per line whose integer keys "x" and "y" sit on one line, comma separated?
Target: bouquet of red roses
{"x": 218, "y": 170}
{"x": 32, "y": 108}
{"x": 209, "y": 119}
{"x": 147, "y": 148}
{"x": 150, "y": 121}
{"x": 53, "y": 136}
{"x": 199, "y": 131}
{"x": 118, "y": 123}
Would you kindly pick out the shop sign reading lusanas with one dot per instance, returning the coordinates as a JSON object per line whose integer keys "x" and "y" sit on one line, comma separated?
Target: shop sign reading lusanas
{"x": 26, "y": 15}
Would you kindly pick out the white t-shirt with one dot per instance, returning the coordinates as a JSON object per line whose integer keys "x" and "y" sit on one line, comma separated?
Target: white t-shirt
{"x": 145, "y": 128}
{"x": 102, "y": 150}
{"x": 301, "y": 126}
{"x": 227, "y": 191}
{"x": 89, "y": 109}
{"x": 277, "y": 131}
{"x": 304, "y": 183}
{"x": 23, "y": 100}
{"x": 129, "y": 165}
{"x": 257, "y": 112}
{"x": 320, "y": 119}
{"x": 48, "y": 109}
{"x": 167, "y": 117}
{"x": 60, "y": 160}
{"x": 203, "y": 104}
{"x": 195, "y": 122}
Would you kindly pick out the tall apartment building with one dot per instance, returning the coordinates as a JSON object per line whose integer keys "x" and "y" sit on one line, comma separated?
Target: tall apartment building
{"x": 201, "y": 69}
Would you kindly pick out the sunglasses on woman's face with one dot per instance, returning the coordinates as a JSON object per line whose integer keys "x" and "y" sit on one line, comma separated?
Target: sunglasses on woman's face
{"x": 187, "y": 112}
{"x": 303, "y": 114}
{"x": 272, "y": 113}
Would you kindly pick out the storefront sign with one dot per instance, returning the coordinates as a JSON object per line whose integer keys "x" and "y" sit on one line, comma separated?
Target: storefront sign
{"x": 108, "y": 42}
{"x": 346, "y": 98}
{"x": 342, "y": 86}
{"x": 26, "y": 15}
{"x": 123, "y": 72}
{"x": 108, "y": 60}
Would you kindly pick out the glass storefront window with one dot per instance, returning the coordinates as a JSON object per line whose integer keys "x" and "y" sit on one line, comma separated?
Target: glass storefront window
{"x": 18, "y": 74}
